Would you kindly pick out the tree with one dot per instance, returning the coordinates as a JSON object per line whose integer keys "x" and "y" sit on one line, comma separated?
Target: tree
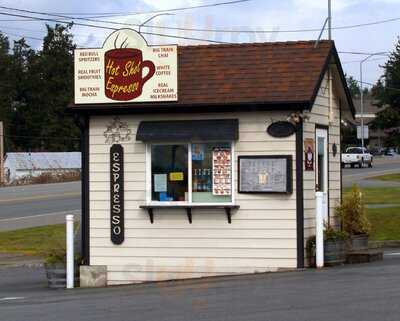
{"x": 387, "y": 94}
{"x": 35, "y": 90}
{"x": 6, "y": 86}
{"x": 353, "y": 87}
{"x": 56, "y": 67}
{"x": 22, "y": 126}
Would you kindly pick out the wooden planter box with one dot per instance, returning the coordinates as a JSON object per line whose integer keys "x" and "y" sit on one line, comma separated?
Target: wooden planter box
{"x": 334, "y": 253}
{"x": 357, "y": 243}
{"x": 57, "y": 275}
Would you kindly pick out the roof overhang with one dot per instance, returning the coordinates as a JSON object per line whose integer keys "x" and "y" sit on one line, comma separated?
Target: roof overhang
{"x": 333, "y": 54}
{"x": 108, "y": 109}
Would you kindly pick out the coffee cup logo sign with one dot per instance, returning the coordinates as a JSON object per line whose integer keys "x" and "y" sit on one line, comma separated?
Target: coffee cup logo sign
{"x": 124, "y": 73}
{"x": 126, "y": 69}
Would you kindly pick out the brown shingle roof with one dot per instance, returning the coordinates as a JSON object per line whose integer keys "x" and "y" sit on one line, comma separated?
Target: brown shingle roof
{"x": 273, "y": 74}
{"x": 256, "y": 73}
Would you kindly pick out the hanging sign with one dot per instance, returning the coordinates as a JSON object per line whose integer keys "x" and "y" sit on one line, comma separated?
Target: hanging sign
{"x": 281, "y": 129}
{"x": 309, "y": 154}
{"x": 126, "y": 69}
{"x": 222, "y": 177}
{"x": 117, "y": 193}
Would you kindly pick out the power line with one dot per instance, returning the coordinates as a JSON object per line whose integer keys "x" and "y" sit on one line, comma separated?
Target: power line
{"x": 354, "y": 61}
{"x": 20, "y": 36}
{"x": 110, "y": 28}
{"x": 116, "y": 14}
{"x": 35, "y": 31}
{"x": 272, "y": 31}
{"x": 362, "y": 53}
{"x": 148, "y": 33}
{"x": 16, "y": 20}
{"x": 200, "y": 29}
{"x": 371, "y": 84}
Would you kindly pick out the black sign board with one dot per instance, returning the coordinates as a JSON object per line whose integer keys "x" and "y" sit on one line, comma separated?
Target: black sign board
{"x": 117, "y": 193}
{"x": 281, "y": 129}
{"x": 265, "y": 174}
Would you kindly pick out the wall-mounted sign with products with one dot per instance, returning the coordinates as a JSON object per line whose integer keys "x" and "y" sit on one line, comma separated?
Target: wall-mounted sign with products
{"x": 265, "y": 174}
{"x": 222, "y": 178}
{"x": 126, "y": 69}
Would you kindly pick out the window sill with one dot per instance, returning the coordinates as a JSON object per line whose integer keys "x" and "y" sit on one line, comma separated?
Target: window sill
{"x": 228, "y": 208}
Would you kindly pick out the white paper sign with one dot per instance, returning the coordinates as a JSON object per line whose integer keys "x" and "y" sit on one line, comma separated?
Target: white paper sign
{"x": 365, "y": 132}
{"x": 160, "y": 183}
{"x": 126, "y": 69}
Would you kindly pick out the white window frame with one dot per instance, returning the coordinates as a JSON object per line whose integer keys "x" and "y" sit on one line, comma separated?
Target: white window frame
{"x": 149, "y": 186}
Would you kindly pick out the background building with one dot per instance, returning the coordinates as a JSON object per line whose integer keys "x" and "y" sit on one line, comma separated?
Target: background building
{"x": 19, "y": 165}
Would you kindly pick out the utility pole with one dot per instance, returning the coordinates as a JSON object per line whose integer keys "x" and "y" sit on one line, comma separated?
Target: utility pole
{"x": 362, "y": 93}
{"x": 1, "y": 153}
{"x": 329, "y": 70}
{"x": 329, "y": 20}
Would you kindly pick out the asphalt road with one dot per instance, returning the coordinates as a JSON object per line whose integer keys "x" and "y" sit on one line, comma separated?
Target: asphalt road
{"x": 381, "y": 166}
{"x": 35, "y": 205}
{"x": 366, "y": 292}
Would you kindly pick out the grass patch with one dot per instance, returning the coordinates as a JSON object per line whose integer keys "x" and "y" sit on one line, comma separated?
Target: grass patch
{"x": 378, "y": 195}
{"x": 34, "y": 241}
{"x": 387, "y": 177}
{"x": 385, "y": 223}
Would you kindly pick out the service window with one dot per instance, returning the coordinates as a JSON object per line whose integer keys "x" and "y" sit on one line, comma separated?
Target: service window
{"x": 169, "y": 168}
{"x": 191, "y": 173}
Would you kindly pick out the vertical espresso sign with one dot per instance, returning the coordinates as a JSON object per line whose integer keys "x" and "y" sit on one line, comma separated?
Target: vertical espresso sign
{"x": 117, "y": 193}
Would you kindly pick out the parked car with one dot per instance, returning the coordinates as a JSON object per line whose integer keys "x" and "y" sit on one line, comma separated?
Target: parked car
{"x": 357, "y": 156}
{"x": 376, "y": 151}
{"x": 390, "y": 152}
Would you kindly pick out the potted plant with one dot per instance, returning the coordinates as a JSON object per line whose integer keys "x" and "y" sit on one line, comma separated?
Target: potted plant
{"x": 334, "y": 247}
{"x": 354, "y": 220}
{"x": 56, "y": 267}
{"x": 310, "y": 250}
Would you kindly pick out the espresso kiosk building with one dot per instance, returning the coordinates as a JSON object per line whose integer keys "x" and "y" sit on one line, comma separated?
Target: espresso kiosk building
{"x": 204, "y": 160}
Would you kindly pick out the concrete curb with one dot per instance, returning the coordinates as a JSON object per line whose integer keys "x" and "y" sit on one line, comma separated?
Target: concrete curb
{"x": 19, "y": 260}
{"x": 384, "y": 244}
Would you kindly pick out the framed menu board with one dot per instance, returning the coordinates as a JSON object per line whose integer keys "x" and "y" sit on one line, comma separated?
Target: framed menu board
{"x": 265, "y": 174}
{"x": 221, "y": 184}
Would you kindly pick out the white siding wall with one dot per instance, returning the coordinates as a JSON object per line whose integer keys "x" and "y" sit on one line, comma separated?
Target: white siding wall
{"x": 320, "y": 115}
{"x": 262, "y": 236}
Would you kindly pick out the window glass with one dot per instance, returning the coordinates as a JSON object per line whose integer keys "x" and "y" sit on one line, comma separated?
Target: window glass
{"x": 211, "y": 173}
{"x": 354, "y": 151}
{"x": 169, "y": 173}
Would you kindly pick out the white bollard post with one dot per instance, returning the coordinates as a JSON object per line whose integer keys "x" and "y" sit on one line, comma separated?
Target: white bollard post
{"x": 325, "y": 209}
{"x": 319, "y": 229}
{"x": 70, "y": 250}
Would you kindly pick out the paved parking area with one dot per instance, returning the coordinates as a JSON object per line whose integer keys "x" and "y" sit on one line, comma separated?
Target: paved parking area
{"x": 367, "y": 292}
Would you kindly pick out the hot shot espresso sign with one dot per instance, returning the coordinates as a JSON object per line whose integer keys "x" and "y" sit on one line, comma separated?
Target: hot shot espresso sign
{"x": 126, "y": 69}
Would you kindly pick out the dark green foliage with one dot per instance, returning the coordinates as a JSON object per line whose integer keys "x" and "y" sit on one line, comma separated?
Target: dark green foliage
{"x": 353, "y": 87}
{"x": 35, "y": 90}
{"x": 387, "y": 94}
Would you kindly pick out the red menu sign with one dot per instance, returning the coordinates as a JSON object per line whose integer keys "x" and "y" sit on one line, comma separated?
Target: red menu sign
{"x": 126, "y": 69}
{"x": 222, "y": 171}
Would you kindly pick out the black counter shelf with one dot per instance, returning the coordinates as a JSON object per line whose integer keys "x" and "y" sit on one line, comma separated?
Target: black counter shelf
{"x": 150, "y": 209}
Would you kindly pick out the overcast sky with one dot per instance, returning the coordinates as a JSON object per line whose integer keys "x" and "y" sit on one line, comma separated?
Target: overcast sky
{"x": 277, "y": 15}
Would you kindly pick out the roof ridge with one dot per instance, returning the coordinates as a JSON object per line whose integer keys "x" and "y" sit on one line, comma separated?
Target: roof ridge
{"x": 256, "y": 44}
